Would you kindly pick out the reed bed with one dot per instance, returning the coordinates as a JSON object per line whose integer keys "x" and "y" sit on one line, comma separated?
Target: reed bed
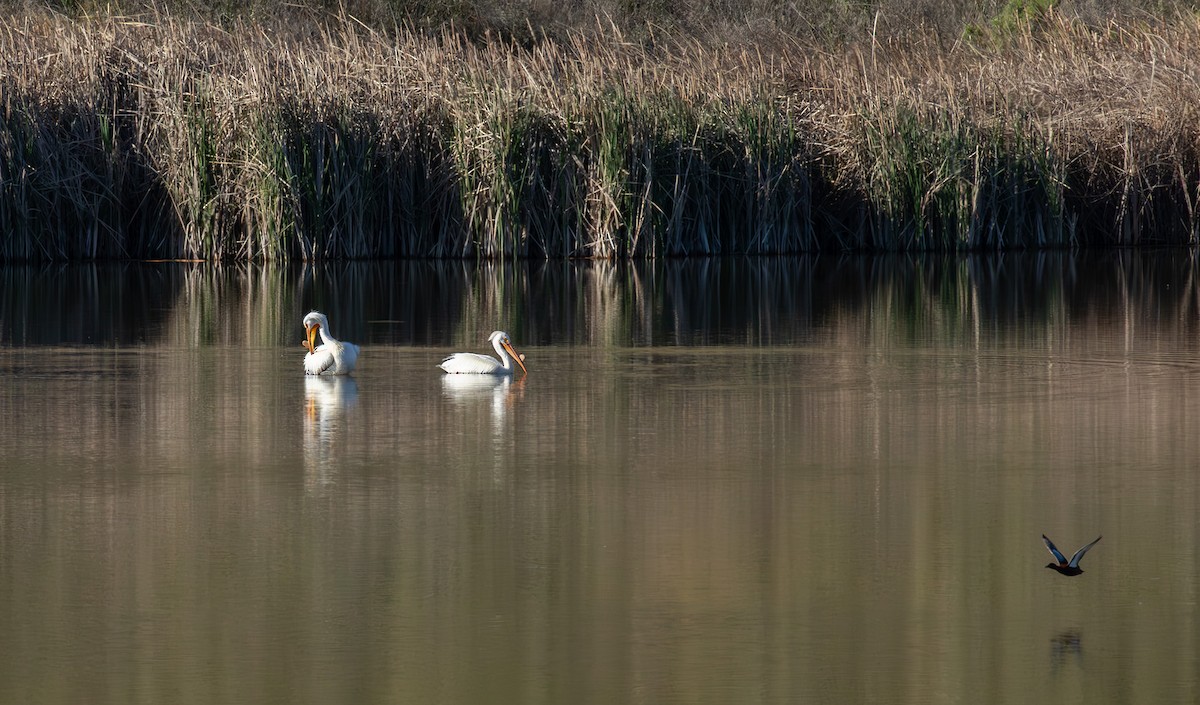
{"x": 163, "y": 137}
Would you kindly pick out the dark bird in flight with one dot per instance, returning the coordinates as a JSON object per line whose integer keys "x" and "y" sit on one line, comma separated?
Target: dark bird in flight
{"x": 1064, "y": 566}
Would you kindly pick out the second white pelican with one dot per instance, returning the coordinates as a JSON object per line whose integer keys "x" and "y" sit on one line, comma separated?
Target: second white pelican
{"x": 331, "y": 357}
{"x": 473, "y": 363}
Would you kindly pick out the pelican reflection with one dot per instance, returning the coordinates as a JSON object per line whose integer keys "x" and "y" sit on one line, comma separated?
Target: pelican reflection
{"x": 326, "y": 403}
{"x": 501, "y": 389}
{"x": 499, "y": 392}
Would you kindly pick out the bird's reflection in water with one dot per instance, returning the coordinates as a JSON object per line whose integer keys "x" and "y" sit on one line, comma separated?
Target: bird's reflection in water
{"x": 1066, "y": 646}
{"x": 326, "y": 402}
{"x": 500, "y": 389}
{"x": 501, "y": 394}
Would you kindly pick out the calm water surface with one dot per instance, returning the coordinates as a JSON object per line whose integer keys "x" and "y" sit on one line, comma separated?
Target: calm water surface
{"x": 721, "y": 482}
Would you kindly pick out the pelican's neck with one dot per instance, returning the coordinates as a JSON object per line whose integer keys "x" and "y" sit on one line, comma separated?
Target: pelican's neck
{"x": 323, "y": 331}
{"x": 505, "y": 360}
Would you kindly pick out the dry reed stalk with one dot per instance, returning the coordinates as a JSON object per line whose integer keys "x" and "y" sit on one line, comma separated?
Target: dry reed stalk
{"x": 280, "y": 142}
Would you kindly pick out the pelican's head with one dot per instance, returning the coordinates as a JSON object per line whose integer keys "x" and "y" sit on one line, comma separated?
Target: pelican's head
{"x": 500, "y": 341}
{"x": 313, "y": 322}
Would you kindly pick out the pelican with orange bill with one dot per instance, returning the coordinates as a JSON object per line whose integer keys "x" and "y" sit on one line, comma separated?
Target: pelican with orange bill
{"x": 332, "y": 356}
{"x": 476, "y": 364}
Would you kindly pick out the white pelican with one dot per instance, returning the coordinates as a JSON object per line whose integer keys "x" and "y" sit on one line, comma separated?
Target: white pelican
{"x": 472, "y": 363}
{"x": 331, "y": 357}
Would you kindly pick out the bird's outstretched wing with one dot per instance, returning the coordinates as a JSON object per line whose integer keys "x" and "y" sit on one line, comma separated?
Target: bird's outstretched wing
{"x": 1079, "y": 554}
{"x": 1058, "y": 556}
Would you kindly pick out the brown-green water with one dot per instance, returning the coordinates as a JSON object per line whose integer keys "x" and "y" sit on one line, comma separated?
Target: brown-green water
{"x": 722, "y": 482}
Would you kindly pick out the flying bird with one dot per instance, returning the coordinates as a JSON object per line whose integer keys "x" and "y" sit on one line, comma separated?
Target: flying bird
{"x": 332, "y": 356}
{"x": 473, "y": 363}
{"x": 1064, "y": 566}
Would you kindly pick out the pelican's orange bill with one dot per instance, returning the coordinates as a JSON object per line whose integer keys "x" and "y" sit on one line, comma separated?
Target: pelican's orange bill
{"x": 520, "y": 359}
{"x": 311, "y": 340}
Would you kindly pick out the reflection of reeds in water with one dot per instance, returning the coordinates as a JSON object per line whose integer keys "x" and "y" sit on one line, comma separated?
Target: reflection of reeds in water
{"x": 757, "y": 301}
{"x": 237, "y": 304}
{"x": 119, "y": 303}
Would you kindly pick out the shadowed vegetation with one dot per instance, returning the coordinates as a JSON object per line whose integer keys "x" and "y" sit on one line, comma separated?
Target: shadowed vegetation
{"x": 228, "y": 135}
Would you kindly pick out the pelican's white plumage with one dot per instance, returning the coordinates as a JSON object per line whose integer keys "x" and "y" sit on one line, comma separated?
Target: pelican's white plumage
{"x": 331, "y": 357}
{"x": 475, "y": 364}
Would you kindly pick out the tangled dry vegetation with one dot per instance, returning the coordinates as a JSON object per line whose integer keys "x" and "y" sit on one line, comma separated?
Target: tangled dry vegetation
{"x": 166, "y": 137}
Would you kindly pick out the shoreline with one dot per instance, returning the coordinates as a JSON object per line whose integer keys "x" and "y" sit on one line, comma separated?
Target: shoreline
{"x": 182, "y": 139}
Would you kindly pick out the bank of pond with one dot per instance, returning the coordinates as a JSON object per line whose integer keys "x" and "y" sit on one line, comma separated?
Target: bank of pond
{"x": 179, "y": 138}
